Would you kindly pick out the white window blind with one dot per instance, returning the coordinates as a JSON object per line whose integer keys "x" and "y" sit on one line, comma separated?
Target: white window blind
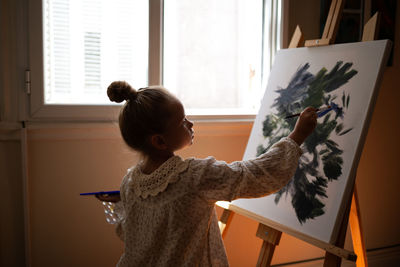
{"x": 92, "y": 40}
{"x": 90, "y": 43}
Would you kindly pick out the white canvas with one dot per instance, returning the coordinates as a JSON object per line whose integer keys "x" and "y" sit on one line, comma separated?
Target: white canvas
{"x": 354, "y": 93}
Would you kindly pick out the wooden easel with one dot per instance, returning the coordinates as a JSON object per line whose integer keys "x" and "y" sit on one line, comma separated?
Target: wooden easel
{"x": 271, "y": 236}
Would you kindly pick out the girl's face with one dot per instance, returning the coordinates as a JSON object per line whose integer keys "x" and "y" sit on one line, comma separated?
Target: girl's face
{"x": 179, "y": 133}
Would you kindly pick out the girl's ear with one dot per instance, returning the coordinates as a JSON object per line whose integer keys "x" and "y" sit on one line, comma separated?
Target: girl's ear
{"x": 157, "y": 141}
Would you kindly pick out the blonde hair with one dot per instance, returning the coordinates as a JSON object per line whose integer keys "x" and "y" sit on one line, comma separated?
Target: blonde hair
{"x": 146, "y": 112}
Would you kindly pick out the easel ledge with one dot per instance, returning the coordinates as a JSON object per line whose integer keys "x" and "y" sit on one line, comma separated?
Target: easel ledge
{"x": 271, "y": 231}
{"x": 272, "y": 227}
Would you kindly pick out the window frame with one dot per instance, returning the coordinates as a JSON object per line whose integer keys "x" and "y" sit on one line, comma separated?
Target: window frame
{"x": 38, "y": 110}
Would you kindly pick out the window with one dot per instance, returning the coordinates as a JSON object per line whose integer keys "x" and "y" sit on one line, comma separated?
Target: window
{"x": 214, "y": 55}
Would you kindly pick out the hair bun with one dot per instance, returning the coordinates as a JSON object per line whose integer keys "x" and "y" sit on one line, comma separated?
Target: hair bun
{"x": 119, "y": 91}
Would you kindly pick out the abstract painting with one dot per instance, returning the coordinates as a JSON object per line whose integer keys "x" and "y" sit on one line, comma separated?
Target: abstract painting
{"x": 344, "y": 79}
{"x": 308, "y": 187}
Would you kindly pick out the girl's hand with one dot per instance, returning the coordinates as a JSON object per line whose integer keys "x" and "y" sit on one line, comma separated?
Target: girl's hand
{"x": 108, "y": 198}
{"x": 305, "y": 125}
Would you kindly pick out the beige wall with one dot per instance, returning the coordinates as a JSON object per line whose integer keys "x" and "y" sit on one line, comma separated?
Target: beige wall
{"x": 70, "y": 230}
{"x": 12, "y": 220}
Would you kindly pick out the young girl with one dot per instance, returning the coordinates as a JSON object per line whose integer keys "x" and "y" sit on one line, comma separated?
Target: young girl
{"x": 167, "y": 214}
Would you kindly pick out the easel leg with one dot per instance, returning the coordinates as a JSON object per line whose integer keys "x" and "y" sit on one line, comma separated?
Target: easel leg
{"x": 271, "y": 238}
{"x": 353, "y": 217}
{"x": 297, "y": 38}
{"x": 331, "y": 25}
{"x": 356, "y": 231}
{"x": 266, "y": 253}
{"x": 224, "y": 221}
{"x": 370, "y": 31}
{"x": 332, "y": 260}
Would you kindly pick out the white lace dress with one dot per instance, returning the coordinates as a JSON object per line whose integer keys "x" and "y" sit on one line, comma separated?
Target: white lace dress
{"x": 167, "y": 218}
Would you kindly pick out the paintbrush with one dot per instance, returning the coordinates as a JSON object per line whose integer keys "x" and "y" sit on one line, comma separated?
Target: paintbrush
{"x": 319, "y": 110}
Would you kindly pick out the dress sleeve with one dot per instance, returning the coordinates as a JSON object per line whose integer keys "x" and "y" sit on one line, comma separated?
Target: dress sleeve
{"x": 120, "y": 215}
{"x": 217, "y": 180}
{"x": 119, "y": 208}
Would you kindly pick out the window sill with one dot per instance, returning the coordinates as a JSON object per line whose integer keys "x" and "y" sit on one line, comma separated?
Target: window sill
{"x": 109, "y": 113}
{"x": 110, "y": 130}
{"x": 243, "y": 118}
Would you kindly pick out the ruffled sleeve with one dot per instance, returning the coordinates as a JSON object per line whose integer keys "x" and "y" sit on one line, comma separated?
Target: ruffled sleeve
{"x": 120, "y": 216}
{"x": 217, "y": 180}
{"x": 119, "y": 207}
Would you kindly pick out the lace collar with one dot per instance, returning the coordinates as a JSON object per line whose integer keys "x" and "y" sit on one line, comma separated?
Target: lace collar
{"x": 156, "y": 182}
